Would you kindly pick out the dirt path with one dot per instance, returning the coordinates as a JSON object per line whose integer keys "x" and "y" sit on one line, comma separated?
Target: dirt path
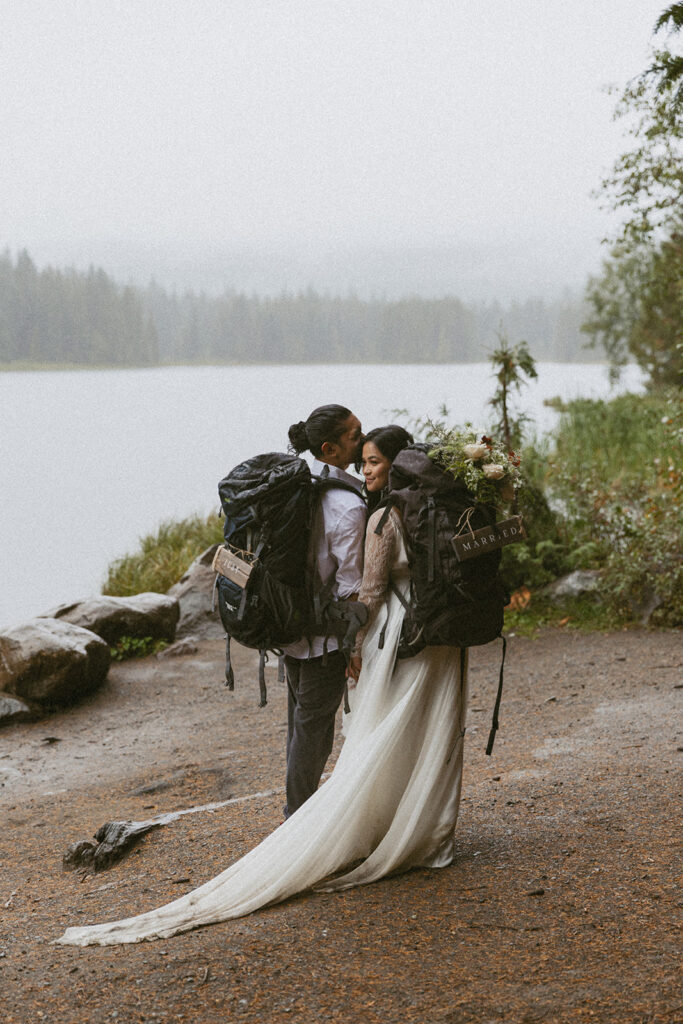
{"x": 561, "y": 906}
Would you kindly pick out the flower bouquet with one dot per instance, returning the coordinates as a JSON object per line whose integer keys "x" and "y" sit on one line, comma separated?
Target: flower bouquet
{"x": 488, "y": 470}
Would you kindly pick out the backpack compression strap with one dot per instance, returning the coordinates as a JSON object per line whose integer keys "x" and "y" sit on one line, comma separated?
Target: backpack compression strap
{"x": 229, "y": 674}
{"x": 431, "y": 539}
{"x": 263, "y": 658}
{"x": 496, "y": 709}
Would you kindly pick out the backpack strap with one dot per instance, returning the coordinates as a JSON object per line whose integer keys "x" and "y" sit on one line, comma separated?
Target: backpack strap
{"x": 496, "y": 709}
{"x": 281, "y": 669}
{"x": 461, "y": 731}
{"x": 332, "y": 483}
{"x": 383, "y": 633}
{"x": 431, "y": 539}
{"x": 394, "y": 589}
{"x": 385, "y": 515}
{"x": 263, "y": 658}
{"x": 229, "y": 674}
{"x": 406, "y": 606}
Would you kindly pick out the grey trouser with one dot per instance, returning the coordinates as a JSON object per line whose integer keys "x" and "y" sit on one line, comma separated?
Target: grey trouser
{"x": 315, "y": 693}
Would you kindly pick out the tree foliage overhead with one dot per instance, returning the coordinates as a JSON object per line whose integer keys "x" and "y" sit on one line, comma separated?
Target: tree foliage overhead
{"x": 635, "y": 303}
{"x": 667, "y": 67}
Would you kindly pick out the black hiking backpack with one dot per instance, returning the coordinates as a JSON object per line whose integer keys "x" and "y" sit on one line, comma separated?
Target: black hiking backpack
{"x": 451, "y": 602}
{"x": 269, "y": 595}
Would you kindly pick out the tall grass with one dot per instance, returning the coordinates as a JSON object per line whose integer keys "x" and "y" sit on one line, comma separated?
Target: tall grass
{"x": 163, "y": 557}
{"x": 616, "y": 472}
{"x": 623, "y": 446}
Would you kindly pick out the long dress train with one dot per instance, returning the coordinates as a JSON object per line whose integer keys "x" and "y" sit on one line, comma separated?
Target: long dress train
{"x": 391, "y": 802}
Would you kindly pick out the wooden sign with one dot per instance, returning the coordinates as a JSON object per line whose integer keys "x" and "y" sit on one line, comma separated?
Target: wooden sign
{"x": 232, "y": 567}
{"x": 478, "y": 542}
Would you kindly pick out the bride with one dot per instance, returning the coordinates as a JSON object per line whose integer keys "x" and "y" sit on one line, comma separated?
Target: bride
{"x": 392, "y": 800}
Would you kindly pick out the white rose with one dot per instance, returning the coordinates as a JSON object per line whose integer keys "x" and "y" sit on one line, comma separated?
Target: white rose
{"x": 492, "y": 471}
{"x": 475, "y": 451}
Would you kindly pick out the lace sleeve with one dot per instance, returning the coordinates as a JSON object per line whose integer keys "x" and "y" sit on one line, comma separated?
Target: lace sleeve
{"x": 380, "y": 550}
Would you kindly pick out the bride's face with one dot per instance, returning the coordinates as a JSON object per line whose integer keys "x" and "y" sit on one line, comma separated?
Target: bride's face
{"x": 375, "y": 467}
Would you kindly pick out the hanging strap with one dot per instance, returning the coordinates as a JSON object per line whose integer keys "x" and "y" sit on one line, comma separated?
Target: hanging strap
{"x": 229, "y": 674}
{"x": 496, "y": 709}
{"x": 243, "y": 606}
{"x": 263, "y": 658}
{"x": 382, "y": 635}
{"x": 281, "y": 669}
{"x": 461, "y": 711}
{"x": 431, "y": 539}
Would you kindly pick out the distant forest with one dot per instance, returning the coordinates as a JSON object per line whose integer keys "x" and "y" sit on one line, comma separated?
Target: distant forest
{"x": 87, "y": 318}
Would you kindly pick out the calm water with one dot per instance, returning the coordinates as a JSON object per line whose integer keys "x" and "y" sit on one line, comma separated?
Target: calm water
{"x": 91, "y": 460}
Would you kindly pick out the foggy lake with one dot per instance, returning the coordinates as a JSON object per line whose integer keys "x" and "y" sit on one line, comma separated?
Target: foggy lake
{"x": 93, "y": 459}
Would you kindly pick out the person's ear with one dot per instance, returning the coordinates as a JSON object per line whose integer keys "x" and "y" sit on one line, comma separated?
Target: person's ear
{"x": 328, "y": 449}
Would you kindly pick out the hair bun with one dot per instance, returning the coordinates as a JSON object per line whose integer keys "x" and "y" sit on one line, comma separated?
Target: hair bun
{"x": 298, "y": 438}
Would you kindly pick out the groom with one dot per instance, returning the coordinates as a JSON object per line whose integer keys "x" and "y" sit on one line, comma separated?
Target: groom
{"x": 316, "y": 681}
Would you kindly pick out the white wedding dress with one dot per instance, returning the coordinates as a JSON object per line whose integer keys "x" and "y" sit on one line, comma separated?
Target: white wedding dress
{"x": 391, "y": 802}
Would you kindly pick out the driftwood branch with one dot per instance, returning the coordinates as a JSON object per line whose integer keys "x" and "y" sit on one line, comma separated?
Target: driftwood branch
{"x": 116, "y": 838}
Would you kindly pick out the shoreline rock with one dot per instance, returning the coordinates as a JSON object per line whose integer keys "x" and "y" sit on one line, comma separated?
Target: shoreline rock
{"x": 141, "y": 615}
{"x": 47, "y": 663}
{"x": 194, "y": 592}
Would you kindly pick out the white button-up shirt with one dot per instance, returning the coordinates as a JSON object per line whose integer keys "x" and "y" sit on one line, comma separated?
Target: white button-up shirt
{"x": 338, "y": 539}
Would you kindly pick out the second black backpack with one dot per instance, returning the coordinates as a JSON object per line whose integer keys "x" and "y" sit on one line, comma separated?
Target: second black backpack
{"x": 452, "y": 602}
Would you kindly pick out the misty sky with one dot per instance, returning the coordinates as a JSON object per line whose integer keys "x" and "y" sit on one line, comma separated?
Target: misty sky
{"x": 200, "y": 139}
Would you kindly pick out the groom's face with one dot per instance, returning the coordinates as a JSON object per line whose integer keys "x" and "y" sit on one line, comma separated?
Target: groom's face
{"x": 348, "y": 445}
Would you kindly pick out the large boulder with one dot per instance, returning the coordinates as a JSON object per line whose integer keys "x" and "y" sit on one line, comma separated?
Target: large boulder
{"x": 47, "y": 662}
{"x": 194, "y": 591}
{"x": 140, "y": 616}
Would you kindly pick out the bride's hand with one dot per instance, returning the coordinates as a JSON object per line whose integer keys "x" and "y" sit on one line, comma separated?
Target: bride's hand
{"x": 353, "y": 671}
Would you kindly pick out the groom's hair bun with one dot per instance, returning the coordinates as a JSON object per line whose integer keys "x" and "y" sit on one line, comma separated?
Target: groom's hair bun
{"x": 298, "y": 438}
{"x": 326, "y": 423}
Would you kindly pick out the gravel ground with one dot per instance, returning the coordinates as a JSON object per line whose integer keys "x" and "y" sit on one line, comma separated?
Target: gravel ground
{"x": 561, "y": 905}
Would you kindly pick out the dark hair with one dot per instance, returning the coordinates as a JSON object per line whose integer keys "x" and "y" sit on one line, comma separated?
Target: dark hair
{"x": 326, "y": 423}
{"x": 390, "y": 439}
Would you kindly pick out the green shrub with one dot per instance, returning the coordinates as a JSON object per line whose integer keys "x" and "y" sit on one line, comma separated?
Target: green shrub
{"x": 163, "y": 557}
{"x": 136, "y": 647}
{"x": 613, "y": 449}
{"x": 541, "y": 558}
{"x": 614, "y": 475}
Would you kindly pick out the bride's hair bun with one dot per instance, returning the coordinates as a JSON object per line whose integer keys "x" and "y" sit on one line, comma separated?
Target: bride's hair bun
{"x": 298, "y": 438}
